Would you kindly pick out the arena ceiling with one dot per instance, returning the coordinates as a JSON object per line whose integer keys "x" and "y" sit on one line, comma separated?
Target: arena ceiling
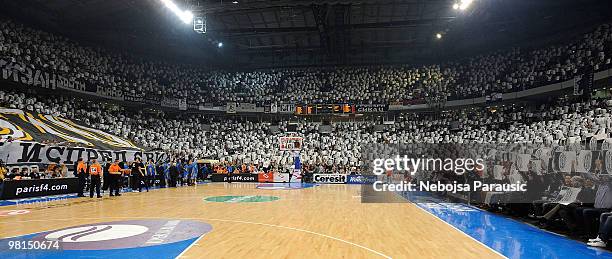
{"x": 295, "y": 32}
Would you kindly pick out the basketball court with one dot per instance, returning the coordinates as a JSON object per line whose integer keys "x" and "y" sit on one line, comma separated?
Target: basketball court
{"x": 250, "y": 220}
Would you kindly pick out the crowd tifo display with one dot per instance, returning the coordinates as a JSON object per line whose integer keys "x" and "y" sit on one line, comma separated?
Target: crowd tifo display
{"x": 43, "y": 59}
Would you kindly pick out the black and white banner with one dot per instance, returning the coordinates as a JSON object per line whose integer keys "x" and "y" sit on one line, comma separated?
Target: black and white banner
{"x": 568, "y": 195}
{"x": 35, "y": 77}
{"x": 170, "y": 102}
{"x": 286, "y": 108}
{"x": 133, "y": 98}
{"x": 182, "y": 104}
{"x": 19, "y": 153}
{"x": 584, "y": 83}
{"x": 247, "y": 107}
{"x": 152, "y": 99}
{"x": 14, "y": 121}
{"x": 231, "y": 107}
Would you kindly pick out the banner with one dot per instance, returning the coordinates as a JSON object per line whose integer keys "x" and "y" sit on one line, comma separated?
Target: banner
{"x": 182, "y": 104}
{"x": 209, "y": 107}
{"x": 273, "y": 108}
{"x": 365, "y": 108}
{"x": 152, "y": 99}
{"x": 329, "y": 178}
{"x": 585, "y": 161}
{"x": 281, "y": 178}
{"x": 568, "y": 195}
{"x": 361, "y": 179}
{"x": 494, "y": 97}
{"x": 296, "y": 176}
{"x": 38, "y": 187}
{"x": 42, "y": 127}
{"x": 563, "y": 161}
{"x": 35, "y": 77}
{"x": 133, "y": 98}
{"x": 286, "y": 108}
{"x": 235, "y": 178}
{"x": 265, "y": 177}
{"x": 584, "y": 83}
{"x": 170, "y": 102}
{"x": 231, "y": 108}
{"x": 246, "y": 107}
{"x": 18, "y": 153}
{"x": 192, "y": 107}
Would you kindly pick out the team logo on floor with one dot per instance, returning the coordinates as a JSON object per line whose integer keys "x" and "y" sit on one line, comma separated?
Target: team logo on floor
{"x": 246, "y": 198}
{"x": 284, "y": 186}
{"x": 125, "y": 234}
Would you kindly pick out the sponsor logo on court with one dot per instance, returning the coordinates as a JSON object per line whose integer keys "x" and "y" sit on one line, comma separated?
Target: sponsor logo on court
{"x": 125, "y": 234}
{"x": 329, "y": 178}
{"x": 5, "y": 213}
{"x": 245, "y": 198}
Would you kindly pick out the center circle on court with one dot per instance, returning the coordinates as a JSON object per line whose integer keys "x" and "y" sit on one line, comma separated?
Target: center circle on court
{"x": 125, "y": 234}
{"x": 241, "y": 198}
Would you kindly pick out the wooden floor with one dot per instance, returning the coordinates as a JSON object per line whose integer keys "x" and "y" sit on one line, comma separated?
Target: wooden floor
{"x": 327, "y": 221}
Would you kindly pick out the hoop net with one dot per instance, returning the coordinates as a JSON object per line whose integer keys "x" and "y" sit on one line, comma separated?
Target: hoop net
{"x": 290, "y": 143}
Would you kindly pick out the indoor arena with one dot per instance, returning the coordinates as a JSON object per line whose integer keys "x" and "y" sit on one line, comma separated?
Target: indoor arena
{"x": 306, "y": 129}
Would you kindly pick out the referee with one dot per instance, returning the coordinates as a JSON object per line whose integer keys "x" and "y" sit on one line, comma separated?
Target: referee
{"x": 95, "y": 169}
{"x": 114, "y": 173}
{"x": 81, "y": 169}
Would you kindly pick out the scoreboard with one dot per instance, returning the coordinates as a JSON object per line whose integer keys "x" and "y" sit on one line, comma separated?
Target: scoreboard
{"x": 314, "y": 109}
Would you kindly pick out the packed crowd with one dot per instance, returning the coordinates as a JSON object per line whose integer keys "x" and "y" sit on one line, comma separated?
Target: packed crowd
{"x": 113, "y": 73}
{"x": 34, "y": 172}
{"x": 200, "y": 136}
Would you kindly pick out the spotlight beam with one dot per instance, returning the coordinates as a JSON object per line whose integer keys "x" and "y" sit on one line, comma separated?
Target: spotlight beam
{"x": 185, "y": 16}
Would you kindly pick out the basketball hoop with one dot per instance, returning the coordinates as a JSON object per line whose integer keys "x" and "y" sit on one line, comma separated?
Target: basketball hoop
{"x": 290, "y": 143}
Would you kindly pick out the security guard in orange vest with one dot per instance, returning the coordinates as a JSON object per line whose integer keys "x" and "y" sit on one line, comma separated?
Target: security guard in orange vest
{"x": 81, "y": 171}
{"x": 114, "y": 173}
{"x": 95, "y": 171}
